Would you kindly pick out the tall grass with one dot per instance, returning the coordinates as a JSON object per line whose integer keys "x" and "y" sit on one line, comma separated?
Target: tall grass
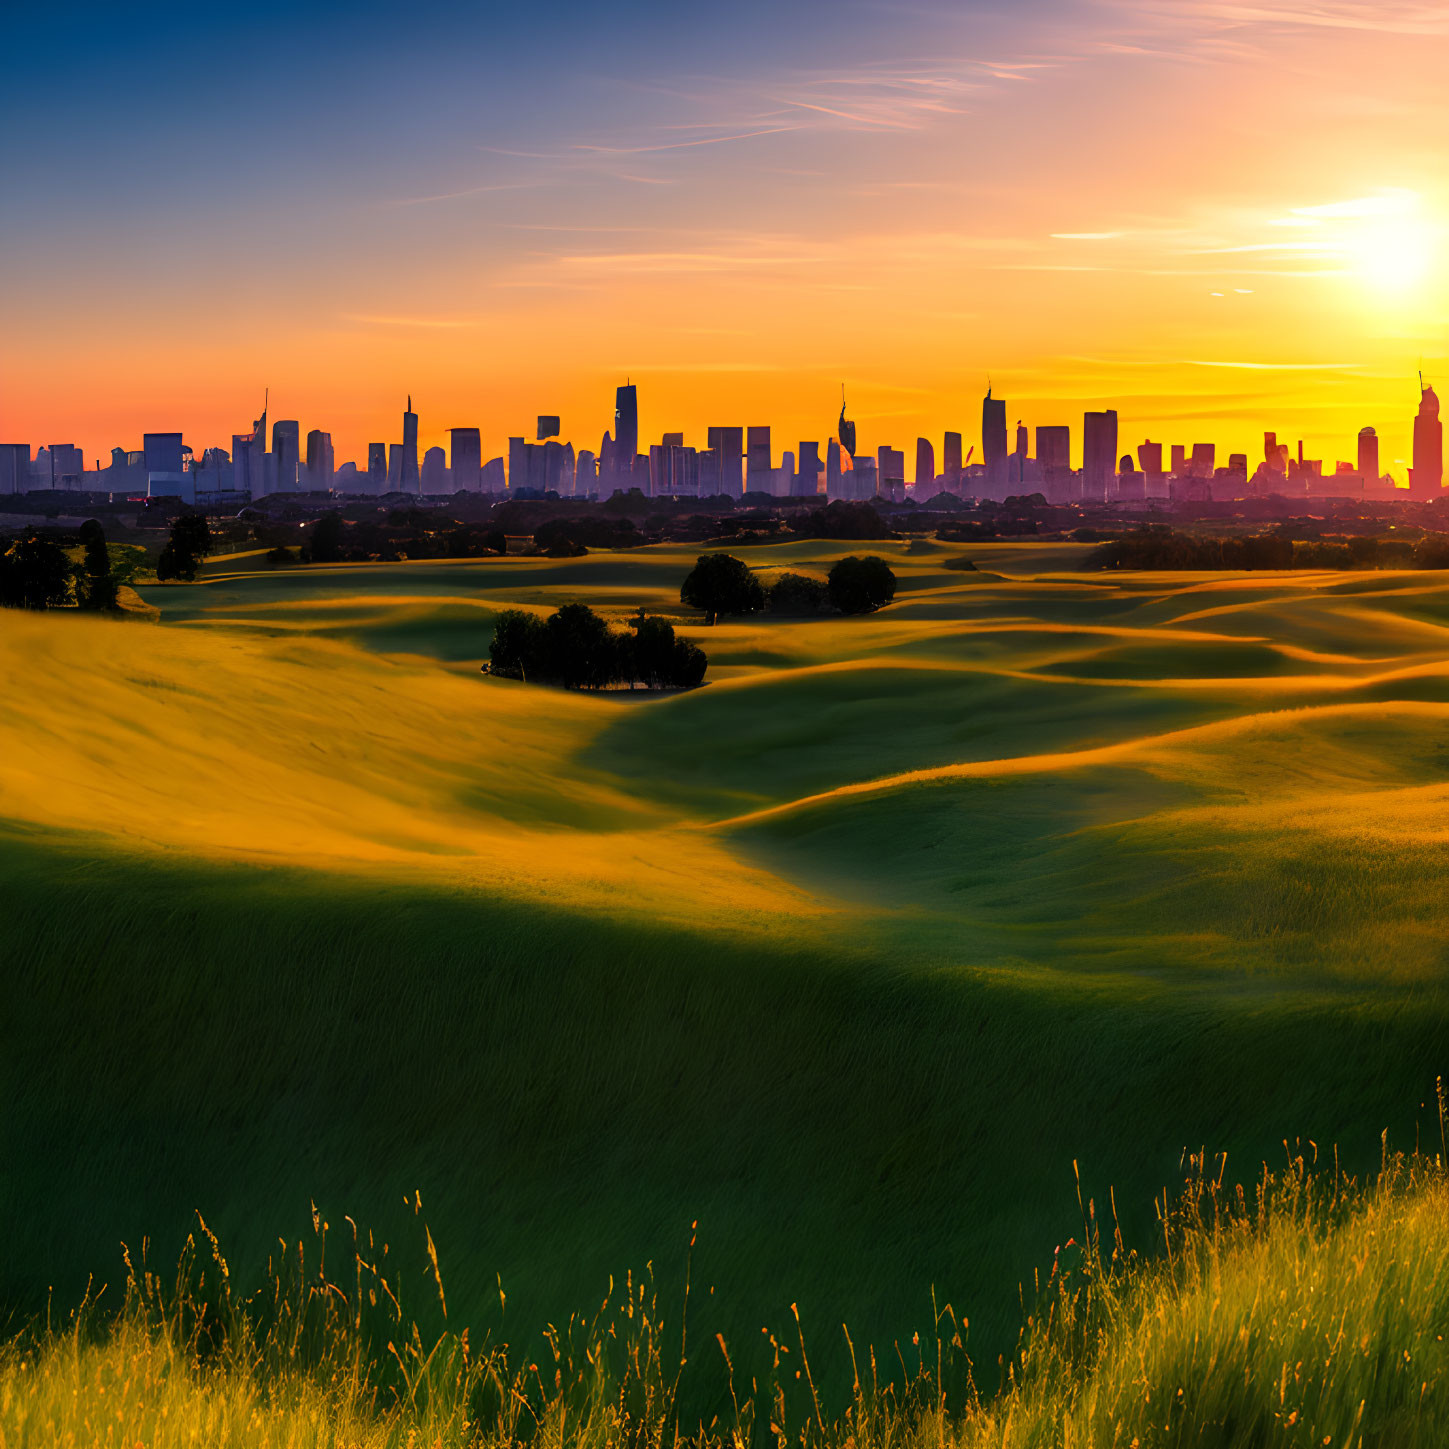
{"x": 1310, "y": 1310}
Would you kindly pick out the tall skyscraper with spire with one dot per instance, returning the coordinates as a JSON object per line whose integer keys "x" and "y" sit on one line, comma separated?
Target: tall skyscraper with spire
{"x": 1426, "y": 477}
{"x": 626, "y": 427}
{"x": 993, "y": 442}
{"x": 410, "y": 481}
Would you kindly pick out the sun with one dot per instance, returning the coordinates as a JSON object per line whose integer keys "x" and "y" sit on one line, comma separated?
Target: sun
{"x": 1396, "y": 253}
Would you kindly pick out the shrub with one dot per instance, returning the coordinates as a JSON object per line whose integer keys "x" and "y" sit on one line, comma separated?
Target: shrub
{"x": 327, "y": 538}
{"x": 517, "y": 647}
{"x": 97, "y": 588}
{"x": 280, "y": 555}
{"x": 861, "y": 585}
{"x": 719, "y": 584}
{"x": 797, "y": 594}
{"x": 34, "y": 573}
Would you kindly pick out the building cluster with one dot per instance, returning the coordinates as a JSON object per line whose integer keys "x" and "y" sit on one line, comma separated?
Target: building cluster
{"x": 736, "y": 461}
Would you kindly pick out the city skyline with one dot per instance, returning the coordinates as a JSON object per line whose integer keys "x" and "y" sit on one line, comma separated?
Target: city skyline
{"x": 1064, "y": 464}
{"x": 1202, "y": 215}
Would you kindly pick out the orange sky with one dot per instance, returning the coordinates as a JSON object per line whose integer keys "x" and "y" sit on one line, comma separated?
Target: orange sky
{"x": 1216, "y": 217}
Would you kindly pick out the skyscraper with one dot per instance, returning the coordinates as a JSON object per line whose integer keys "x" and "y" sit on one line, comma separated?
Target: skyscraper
{"x": 1178, "y": 465}
{"x": 806, "y": 483}
{"x": 833, "y": 474}
{"x": 14, "y": 467}
{"x": 1099, "y": 453}
{"x": 286, "y": 449}
{"x": 951, "y": 460}
{"x": 1368, "y": 455}
{"x": 466, "y": 454}
{"x": 925, "y": 469}
{"x": 1204, "y": 459}
{"x": 377, "y": 467}
{"x": 1149, "y": 456}
{"x": 729, "y": 446}
{"x": 626, "y": 426}
{"x": 434, "y": 471}
{"x": 993, "y": 442}
{"x": 410, "y": 480}
{"x": 319, "y": 460}
{"x": 1054, "y": 446}
{"x": 757, "y": 460}
{"x": 163, "y": 452}
{"x": 1426, "y": 477}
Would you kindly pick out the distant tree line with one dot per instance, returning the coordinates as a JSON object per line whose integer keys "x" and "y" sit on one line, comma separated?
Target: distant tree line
{"x": 721, "y": 584}
{"x": 406, "y": 533}
{"x": 1166, "y": 550}
{"x": 574, "y": 647}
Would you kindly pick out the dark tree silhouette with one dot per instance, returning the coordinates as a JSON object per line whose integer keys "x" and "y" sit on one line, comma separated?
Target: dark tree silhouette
{"x": 34, "y": 573}
{"x": 719, "y": 584}
{"x": 328, "y": 536}
{"x": 517, "y": 648}
{"x": 797, "y": 594}
{"x": 861, "y": 585}
{"x": 190, "y": 542}
{"x": 576, "y": 648}
{"x": 96, "y": 588}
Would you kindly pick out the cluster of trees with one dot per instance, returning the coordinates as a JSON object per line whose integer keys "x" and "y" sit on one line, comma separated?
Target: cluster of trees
{"x": 720, "y": 584}
{"x": 571, "y": 537}
{"x": 37, "y": 571}
{"x": 190, "y": 542}
{"x": 841, "y": 519}
{"x": 574, "y": 647}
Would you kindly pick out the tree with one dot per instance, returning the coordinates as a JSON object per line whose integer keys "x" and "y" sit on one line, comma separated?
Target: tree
{"x": 34, "y": 573}
{"x": 721, "y": 584}
{"x": 797, "y": 594}
{"x": 97, "y": 588}
{"x": 328, "y": 536}
{"x": 189, "y": 543}
{"x": 578, "y": 648}
{"x": 861, "y": 585}
{"x": 517, "y": 648}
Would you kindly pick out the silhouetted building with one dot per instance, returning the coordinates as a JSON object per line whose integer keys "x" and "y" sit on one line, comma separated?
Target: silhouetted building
{"x": 834, "y": 478}
{"x": 925, "y": 479}
{"x": 993, "y": 442}
{"x": 548, "y": 426}
{"x": 1368, "y": 454}
{"x": 728, "y": 445}
{"x": 1149, "y": 456}
{"x": 863, "y": 482}
{"x": 14, "y": 467}
{"x": 1099, "y": 453}
{"x": 319, "y": 460}
{"x": 626, "y": 427}
{"x": 466, "y": 456}
{"x": 394, "y": 467}
{"x": 890, "y": 481}
{"x": 163, "y": 452}
{"x": 585, "y": 474}
{"x": 758, "y": 461}
{"x": 1426, "y": 477}
{"x": 1204, "y": 456}
{"x": 951, "y": 460}
{"x": 1178, "y": 466}
{"x": 286, "y": 455}
{"x": 1054, "y": 446}
{"x": 409, "y": 479}
{"x": 494, "y": 480}
{"x": 434, "y": 471}
{"x": 377, "y": 467}
{"x": 68, "y": 465}
{"x": 806, "y": 482}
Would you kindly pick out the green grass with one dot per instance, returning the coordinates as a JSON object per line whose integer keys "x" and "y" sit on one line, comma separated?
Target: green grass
{"x": 1311, "y": 1311}
{"x": 847, "y": 956}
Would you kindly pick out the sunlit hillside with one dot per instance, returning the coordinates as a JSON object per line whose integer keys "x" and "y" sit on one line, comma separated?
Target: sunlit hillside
{"x": 847, "y": 955}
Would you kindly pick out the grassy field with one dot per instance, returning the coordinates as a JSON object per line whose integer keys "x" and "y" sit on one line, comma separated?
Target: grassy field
{"x": 847, "y": 956}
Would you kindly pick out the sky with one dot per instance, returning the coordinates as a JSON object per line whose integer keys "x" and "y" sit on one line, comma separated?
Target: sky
{"x": 1217, "y": 217}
